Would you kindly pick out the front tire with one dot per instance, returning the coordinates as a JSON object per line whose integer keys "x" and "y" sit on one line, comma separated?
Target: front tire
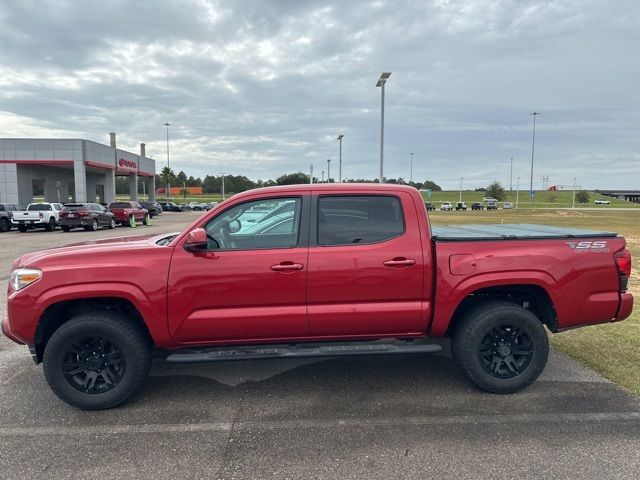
{"x": 97, "y": 360}
{"x": 500, "y": 347}
{"x": 5, "y": 226}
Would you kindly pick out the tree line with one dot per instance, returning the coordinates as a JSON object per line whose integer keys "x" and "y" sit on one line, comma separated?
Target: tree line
{"x": 240, "y": 183}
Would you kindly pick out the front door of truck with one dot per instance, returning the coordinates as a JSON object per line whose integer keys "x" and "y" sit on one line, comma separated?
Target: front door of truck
{"x": 249, "y": 284}
{"x": 366, "y": 266}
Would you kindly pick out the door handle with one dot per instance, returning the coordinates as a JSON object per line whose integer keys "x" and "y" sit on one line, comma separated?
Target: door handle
{"x": 287, "y": 267}
{"x": 399, "y": 262}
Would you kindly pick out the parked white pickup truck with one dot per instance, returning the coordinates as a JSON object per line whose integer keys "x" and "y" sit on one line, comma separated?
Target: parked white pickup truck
{"x": 38, "y": 215}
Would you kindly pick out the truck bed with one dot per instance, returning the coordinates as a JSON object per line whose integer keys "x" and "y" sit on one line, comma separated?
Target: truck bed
{"x": 523, "y": 231}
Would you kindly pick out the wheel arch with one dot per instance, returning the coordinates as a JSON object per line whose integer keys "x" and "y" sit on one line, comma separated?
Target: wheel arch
{"x": 58, "y": 313}
{"x": 529, "y": 296}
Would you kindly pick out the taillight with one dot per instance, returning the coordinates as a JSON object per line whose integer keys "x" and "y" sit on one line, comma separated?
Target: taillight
{"x": 623, "y": 262}
{"x": 83, "y": 213}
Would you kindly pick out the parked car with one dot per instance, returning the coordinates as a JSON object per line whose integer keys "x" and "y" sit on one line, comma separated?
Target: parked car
{"x": 170, "y": 207}
{"x": 93, "y": 314}
{"x": 461, "y": 206}
{"x": 429, "y": 206}
{"x": 489, "y": 199}
{"x": 197, "y": 206}
{"x": 477, "y": 206}
{"x": 37, "y": 215}
{"x": 491, "y": 205}
{"x": 446, "y": 206}
{"x": 153, "y": 208}
{"x": 602, "y": 202}
{"x": 6, "y": 213}
{"x": 185, "y": 207}
{"x": 507, "y": 205}
{"x": 129, "y": 213}
{"x": 89, "y": 216}
{"x": 210, "y": 205}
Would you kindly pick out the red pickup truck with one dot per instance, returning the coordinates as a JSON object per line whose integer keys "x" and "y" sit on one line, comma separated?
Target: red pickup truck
{"x": 129, "y": 213}
{"x": 312, "y": 270}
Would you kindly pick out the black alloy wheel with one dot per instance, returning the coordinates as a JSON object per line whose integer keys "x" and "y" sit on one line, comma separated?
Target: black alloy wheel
{"x": 506, "y": 351}
{"x": 93, "y": 365}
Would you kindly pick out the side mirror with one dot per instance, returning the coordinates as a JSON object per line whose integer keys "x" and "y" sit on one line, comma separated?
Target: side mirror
{"x": 196, "y": 240}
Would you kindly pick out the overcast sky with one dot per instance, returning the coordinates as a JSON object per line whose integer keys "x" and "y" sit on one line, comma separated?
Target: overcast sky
{"x": 260, "y": 88}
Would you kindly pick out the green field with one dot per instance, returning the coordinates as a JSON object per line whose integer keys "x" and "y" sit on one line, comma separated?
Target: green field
{"x": 543, "y": 199}
{"x": 613, "y": 349}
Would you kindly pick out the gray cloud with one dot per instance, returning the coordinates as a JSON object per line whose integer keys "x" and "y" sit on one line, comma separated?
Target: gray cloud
{"x": 262, "y": 88}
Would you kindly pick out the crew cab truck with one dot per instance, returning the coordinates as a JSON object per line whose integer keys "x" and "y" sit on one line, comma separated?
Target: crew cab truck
{"x": 37, "y": 215}
{"x": 129, "y": 213}
{"x": 350, "y": 269}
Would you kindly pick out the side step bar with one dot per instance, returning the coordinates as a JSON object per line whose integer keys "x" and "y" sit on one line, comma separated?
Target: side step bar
{"x": 299, "y": 351}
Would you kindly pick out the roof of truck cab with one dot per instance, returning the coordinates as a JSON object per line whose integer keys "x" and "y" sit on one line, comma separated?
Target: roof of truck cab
{"x": 511, "y": 231}
{"x": 333, "y": 187}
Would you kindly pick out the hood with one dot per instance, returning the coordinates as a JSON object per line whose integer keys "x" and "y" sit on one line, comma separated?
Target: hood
{"x": 106, "y": 245}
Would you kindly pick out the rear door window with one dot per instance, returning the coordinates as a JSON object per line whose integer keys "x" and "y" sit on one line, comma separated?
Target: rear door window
{"x": 358, "y": 219}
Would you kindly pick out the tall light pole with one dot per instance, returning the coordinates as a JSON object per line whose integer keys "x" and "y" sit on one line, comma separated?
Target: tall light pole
{"x": 311, "y": 173}
{"x": 517, "y": 191}
{"x": 168, "y": 167}
{"x": 533, "y": 149}
{"x": 411, "y": 168}
{"x": 511, "y": 176}
{"x": 328, "y": 170}
{"x": 461, "y": 178}
{"x": 573, "y": 203}
{"x": 381, "y": 82}
{"x": 340, "y": 137}
{"x": 322, "y": 176}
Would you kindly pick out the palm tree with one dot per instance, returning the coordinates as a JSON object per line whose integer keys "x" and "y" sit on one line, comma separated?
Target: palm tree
{"x": 166, "y": 176}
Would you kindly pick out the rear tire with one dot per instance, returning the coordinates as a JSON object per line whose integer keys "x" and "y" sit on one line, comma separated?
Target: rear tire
{"x": 500, "y": 347}
{"x": 112, "y": 223}
{"x": 97, "y": 360}
{"x": 51, "y": 225}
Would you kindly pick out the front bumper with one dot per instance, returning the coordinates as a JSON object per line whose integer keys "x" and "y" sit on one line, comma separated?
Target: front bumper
{"x": 6, "y": 331}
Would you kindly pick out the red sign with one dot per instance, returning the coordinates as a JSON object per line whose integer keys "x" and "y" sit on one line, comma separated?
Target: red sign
{"x": 128, "y": 164}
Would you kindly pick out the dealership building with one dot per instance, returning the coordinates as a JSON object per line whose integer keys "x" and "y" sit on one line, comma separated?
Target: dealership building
{"x": 73, "y": 170}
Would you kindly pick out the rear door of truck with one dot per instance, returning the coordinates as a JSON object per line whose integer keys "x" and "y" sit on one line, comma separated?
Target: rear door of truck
{"x": 366, "y": 265}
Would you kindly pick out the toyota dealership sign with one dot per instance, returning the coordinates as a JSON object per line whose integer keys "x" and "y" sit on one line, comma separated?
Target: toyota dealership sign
{"x": 130, "y": 165}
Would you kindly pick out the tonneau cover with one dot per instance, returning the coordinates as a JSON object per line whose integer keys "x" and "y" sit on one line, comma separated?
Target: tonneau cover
{"x": 511, "y": 231}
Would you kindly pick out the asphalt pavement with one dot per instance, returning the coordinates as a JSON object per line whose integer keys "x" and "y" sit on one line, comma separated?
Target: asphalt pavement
{"x": 409, "y": 416}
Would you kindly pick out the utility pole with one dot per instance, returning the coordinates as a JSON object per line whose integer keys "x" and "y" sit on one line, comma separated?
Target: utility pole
{"x": 511, "y": 176}
{"x": 322, "y": 176}
{"x": 460, "y": 189}
{"x": 311, "y": 173}
{"x": 340, "y": 137}
{"x": 328, "y": 170}
{"x": 533, "y": 148}
{"x": 222, "y": 190}
{"x": 517, "y": 191}
{"x": 573, "y": 203}
{"x": 384, "y": 76}
{"x": 411, "y": 168}
{"x": 168, "y": 167}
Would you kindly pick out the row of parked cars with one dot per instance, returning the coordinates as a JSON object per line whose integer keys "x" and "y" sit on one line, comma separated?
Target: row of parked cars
{"x": 86, "y": 215}
{"x": 491, "y": 204}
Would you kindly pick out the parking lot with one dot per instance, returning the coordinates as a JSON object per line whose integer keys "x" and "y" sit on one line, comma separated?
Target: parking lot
{"x": 410, "y": 416}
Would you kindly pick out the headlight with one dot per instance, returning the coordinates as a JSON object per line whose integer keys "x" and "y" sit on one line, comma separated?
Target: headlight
{"x": 23, "y": 277}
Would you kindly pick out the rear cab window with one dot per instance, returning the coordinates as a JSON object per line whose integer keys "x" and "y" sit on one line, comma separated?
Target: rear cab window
{"x": 358, "y": 219}
{"x": 39, "y": 207}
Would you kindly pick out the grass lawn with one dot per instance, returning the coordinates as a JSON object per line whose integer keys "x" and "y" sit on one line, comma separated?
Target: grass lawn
{"x": 612, "y": 349}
